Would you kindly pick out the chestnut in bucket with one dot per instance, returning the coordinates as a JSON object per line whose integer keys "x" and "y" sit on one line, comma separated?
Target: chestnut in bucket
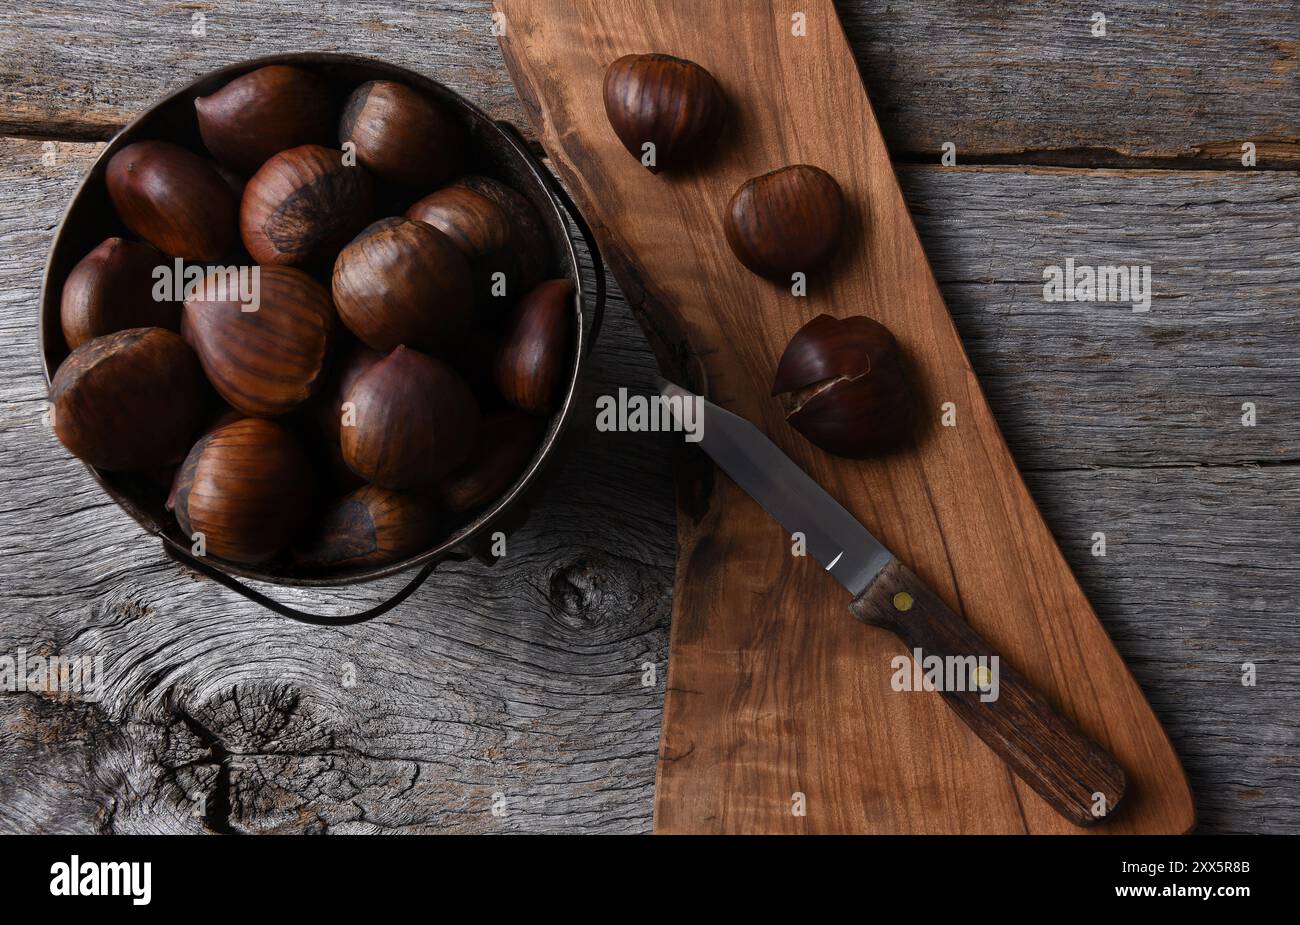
{"x": 495, "y": 227}
{"x": 264, "y": 112}
{"x": 402, "y": 135}
{"x": 129, "y": 401}
{"x": 785, "y": 221}
{"x": 671, "y": 104}
{"x": 415, "y": 420}
{"x": 354, "y": 359}
{"x": 270, "y": 360}
{"x": 174, "y": 199}
{"x": 533, "y": 358}
{"x": 403, "y": 282}
{"x": 509, "y": 441}
{"x": 112, "y": 289}
{"x": 303, "y": 205}
{"x": 370, "y": 526}
{"x": 845, "y": 387}
{"x": 246, "y": 487}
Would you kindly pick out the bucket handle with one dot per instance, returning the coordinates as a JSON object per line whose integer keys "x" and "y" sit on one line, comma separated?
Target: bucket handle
{"x": 575, "y": 215}
{"x": 597, "y": 317}
{"x": 304, "y": 616}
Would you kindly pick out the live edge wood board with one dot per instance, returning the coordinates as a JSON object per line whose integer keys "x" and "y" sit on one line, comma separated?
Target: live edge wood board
{"x": 779, "y": 715}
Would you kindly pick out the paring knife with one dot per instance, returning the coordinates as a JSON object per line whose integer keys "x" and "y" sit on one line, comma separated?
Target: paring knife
{"x": 1078, "y": 778}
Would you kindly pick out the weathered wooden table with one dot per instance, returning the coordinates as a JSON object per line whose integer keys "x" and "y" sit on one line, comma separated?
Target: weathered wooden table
{"x": 511, "y": 698}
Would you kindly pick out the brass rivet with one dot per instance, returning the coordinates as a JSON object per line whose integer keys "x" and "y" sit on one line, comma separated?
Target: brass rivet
{"x": 983, "y": 677}
{"x": 902, "y": 601}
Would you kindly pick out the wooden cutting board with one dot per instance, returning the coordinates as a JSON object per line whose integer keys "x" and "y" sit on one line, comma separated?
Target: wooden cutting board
{"x": 779, "y": 715}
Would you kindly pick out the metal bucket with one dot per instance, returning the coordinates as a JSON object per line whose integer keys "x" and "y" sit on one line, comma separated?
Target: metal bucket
{"x": 503, "y": 154}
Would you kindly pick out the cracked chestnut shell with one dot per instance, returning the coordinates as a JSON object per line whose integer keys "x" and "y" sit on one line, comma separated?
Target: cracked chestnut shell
{"x": 269, "y": 361}
{"x": 263, "y": 113}
{"x": 534, "y": 355}
{"x": 786, "y": 221}
{"x": 510, "y": 438}
{"x": 402, "y": 135}
{"x": 370, "y": 526}
{"x": 672, "y": 103}
{"x": 174, "y": 199}
{"x": 111, "y": 289}
{"x": 247, "y": 487}
{"x": 495, "y": 227}
{"x": 416, "y": 421}
{"x": 129, "y": 401}
{"x": 845, "y": 386}
{"x": 304, "y": 204}
{"x": 403, "y": 282}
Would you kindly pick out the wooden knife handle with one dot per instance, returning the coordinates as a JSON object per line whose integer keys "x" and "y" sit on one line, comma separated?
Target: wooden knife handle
{"x": 1077, "y": 777}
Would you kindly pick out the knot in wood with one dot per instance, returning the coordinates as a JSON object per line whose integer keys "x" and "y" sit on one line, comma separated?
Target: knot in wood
{"x": 576, "y": 595}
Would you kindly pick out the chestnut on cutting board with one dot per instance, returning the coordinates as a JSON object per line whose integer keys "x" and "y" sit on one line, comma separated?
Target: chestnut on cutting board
{"x": 844, "y": 386}
{"x": 665, "y": 110}
{"x": 786, "y": 221}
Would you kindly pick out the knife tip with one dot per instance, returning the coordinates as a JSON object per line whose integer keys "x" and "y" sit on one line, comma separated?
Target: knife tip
{"x": 670, "y": 389}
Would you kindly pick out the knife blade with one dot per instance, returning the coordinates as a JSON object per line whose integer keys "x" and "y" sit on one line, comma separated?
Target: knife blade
{"x": 834, "y": 537}
{"x": 1071, "y": 772}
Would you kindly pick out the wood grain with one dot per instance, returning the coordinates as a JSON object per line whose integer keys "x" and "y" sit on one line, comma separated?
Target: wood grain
{"x": 1097, "y": 383}
{"x": 1026, "y": 80}
{"x": 1013, "y": 79}
{"x": 771, "y": 692}
{"x": 515, "y": 680}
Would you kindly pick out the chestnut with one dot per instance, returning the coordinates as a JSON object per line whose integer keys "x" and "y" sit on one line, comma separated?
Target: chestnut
{"x": 129, "y": 401}
{"x": 845, "y": 385}
{"x": 247, "y": 488}
{"x": 785, "y": 221}
{"x": 354, "y": 360}
{"x": 668, "y": 102}
{"x": 268, "y": 361}
{"x": 401, "y": 135}
{"x": 534, "y": 354}
{"x": 264, "y": 112}
{"x": 370, "y": 526}
{"x": 403, "y": 282}
{"x": 416, "y": 421}
{"x": 509, "y": 440}
{"x": 112, "y": 289}
{"x": 174, "y": 199}
{"x": 304, "y": 204}
{"x": 495, "y": 227}
{"x": 223, "y": 415}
